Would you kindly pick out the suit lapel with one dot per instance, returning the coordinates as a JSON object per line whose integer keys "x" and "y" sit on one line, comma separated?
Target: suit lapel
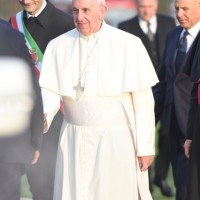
{"x": 139, "y": 32}
{"x": 137, "y": 29}
{"x": 159, "y": 34}
{"x": 174, "y": 42}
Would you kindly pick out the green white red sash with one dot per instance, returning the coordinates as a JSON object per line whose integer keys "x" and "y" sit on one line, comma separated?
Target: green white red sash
{"x": 17, "y": 23}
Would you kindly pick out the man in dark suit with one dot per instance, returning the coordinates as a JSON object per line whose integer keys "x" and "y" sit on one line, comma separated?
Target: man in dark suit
{"x": 22, "y": 149}
{"x": 192, "y": 142}
{"x": 175, "y": 87}
{"x": 40, "y": 22}
{"x": 158, "y": 25}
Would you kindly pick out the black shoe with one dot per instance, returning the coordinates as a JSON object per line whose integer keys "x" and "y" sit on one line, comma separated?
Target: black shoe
{"x": 165, "y": 188}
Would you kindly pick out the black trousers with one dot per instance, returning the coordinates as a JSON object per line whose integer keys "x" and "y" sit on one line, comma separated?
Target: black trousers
{"x": 162, "y": 161}
{"x": 193, "y": 192}
{"x": 10, "y": 180}
{"x": 180, "y": 164}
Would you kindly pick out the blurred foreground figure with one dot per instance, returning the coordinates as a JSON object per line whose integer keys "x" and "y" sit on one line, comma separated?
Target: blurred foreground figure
{"x": 21, "y": 117}
{"x": 40, "y": 22}
{"x": 104, "y": 77}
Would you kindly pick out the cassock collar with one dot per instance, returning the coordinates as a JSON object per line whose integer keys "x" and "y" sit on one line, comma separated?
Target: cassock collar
{"x": 93, "y": 35}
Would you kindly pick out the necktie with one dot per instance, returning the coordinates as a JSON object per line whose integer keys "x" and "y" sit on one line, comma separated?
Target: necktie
{"x": 181, "y": 51}
{"x": 183, "y": 42}
{"x": 149, "y": 32}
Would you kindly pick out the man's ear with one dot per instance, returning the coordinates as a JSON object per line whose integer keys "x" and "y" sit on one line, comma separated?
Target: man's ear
{"x": 103, "y": 10}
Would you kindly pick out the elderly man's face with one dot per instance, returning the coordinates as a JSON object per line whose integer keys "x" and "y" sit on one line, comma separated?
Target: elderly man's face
{"x": 187, "y": 12}
{"x": 88, "y": 15}
{"x": 147, "y": 8}
{"x": 31, "y": 6}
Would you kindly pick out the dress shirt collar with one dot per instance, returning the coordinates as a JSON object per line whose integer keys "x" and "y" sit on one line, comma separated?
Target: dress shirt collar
{"x": 93, "y": 35}
{"x": 153, "y": 24}
{"x": 45, "y": 14}
{"x": 39, "y": 11}
{"x": 193, "y": 32}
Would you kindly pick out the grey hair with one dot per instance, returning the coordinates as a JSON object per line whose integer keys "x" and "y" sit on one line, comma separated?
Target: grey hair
{"x": 102, "y": 2}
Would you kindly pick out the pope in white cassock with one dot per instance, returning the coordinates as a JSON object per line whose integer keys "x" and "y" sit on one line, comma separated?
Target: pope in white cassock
{"x": 104, "y": 77}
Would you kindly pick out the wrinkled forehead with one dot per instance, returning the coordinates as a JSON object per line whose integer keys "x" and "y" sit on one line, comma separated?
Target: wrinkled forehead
{"x": 89, "y": 2}
{"x": 186, "y": 2}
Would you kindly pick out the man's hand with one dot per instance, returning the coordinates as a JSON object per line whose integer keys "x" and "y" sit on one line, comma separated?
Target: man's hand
{"x": 187, "y": 146}
{"x": 36, "y": 157}
{"x": 145, "y": 162}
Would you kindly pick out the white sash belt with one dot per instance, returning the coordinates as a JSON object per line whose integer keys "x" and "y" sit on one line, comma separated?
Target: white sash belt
{"x": 97, "y": 112}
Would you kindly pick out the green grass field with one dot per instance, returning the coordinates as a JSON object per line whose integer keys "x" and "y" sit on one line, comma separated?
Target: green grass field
{"x": 156, "y": 192}
{"x": 24, "y": 188}
{"x": 157, "y": 195}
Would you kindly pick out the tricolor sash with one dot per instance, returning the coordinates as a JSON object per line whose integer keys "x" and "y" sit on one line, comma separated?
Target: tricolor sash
{"x": 17, "y": 23}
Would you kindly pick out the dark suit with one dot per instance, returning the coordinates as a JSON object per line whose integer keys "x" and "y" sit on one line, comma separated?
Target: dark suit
{"x": 164, "y": 25}
{"x": 50, "y": 23}
{"x": 16, "y": 152}
{"x": 193, "y": 71}
{"x": 175, "y": 88}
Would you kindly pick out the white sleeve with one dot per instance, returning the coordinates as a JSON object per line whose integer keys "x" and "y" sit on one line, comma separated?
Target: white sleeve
{"x": 51, "y": 104}
{"x": 143, "y": 103}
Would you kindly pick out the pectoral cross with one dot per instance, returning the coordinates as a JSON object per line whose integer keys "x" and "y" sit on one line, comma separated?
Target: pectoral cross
{"x": 79, "y": 89}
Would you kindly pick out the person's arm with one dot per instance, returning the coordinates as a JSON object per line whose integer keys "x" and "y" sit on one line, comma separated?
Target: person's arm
{"x": 143, "y": 103}
{"x": 191, "y": 120}
{"x": 51, "y": 102}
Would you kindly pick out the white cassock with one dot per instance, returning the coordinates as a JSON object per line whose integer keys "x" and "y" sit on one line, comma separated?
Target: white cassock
{"x": 111, "y": 123}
